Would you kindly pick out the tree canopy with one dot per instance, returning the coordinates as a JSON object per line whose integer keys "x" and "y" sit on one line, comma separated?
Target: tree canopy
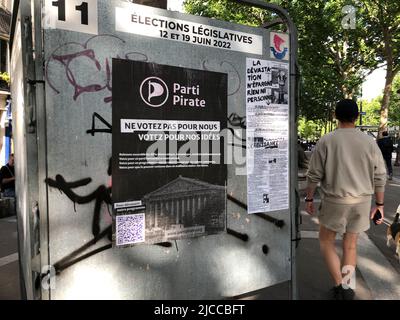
{"x": 382, "y": 20}
{"x": 394, "y": 108}
{"x": 340, "y": 43}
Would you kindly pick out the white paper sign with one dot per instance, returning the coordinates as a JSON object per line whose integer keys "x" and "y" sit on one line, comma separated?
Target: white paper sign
{"x": 72, "y": 15}
{"x": 267, "y": 149}
{"x": 142, "y": 21}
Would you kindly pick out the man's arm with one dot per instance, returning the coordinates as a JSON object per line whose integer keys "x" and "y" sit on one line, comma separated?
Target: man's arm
{"x": 4, "y": 172}
{"x": 379, "y": 205}
{"x": 379, "y": 184}
{"x": 315, "y": 173}
{"x": 311, "y": 187}
{"x": 379, "y": 196}
{"x": 7, "y": 180}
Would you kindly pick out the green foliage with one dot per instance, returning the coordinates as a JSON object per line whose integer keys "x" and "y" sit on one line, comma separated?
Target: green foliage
{"x": 394, "y": 107}
{"x": 333, "y": 61}
{"x": 228, "y": 11}
{"x": 5, "y": 77}
{"x": 382, "y": 20}
{"x": 372, "y": 110}
{"x": 373, "y": 107}
{"x": 309, "y": 130}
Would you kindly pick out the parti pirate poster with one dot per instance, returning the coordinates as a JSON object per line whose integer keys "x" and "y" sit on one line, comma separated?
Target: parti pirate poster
{"x": 168, "y": 171}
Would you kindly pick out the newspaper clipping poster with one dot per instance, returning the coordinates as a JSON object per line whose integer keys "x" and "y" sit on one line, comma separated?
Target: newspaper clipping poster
{"x": 168, "y": 171}
{"x": 267, "y": 152}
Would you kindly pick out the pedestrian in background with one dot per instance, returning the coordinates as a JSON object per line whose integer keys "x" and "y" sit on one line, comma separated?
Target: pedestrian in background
{"x": 8, "y": 178}
{"x": 386, "y": 145}
{"x": 350, "y": 168}
{"x": 397, "y": 162}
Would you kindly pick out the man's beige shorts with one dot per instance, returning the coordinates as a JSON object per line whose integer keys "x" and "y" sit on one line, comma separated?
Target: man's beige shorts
{"x": 342, "y": 218}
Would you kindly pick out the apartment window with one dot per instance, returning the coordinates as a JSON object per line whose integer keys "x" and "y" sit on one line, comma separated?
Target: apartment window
{"x": 3, "y": 55}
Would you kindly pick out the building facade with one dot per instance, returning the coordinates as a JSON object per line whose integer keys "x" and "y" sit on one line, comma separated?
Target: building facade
{"x": 5, "y": 102}
{"x": 185, "y": 203}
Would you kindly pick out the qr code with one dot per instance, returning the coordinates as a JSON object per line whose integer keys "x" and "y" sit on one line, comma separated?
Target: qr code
{"x": 130, "y": 229}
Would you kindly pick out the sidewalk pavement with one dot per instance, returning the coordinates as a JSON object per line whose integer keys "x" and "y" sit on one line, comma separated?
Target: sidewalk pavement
{"x": 9, "y": 267}
{"x": 378, "y": 268}
{"x": 377, "y": 275}
{"x": 378, "y": 233}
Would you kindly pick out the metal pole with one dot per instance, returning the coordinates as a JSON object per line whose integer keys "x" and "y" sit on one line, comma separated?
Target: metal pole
{"x": 25, "y": 141}
{"x": 44, "y": 255}
{"x": 284, "y": 15}
{"x": 361, "y": 110}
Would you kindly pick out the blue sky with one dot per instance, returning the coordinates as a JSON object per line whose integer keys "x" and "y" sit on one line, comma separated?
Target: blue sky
{"x": 374, "y": 84}
{"x": 175, "y": 5}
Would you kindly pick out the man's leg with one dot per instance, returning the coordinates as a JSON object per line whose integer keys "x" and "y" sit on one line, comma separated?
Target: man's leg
{"x": 332, "y": 260}
{"x": 390, "y": 166}
{"x": 388, "y": 160}
{"x": 349, "y": 264}
{"x": 350, "y": 249}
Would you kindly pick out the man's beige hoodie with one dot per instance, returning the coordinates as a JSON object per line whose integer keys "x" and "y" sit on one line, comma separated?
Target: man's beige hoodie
{"x": 349, "y": 165}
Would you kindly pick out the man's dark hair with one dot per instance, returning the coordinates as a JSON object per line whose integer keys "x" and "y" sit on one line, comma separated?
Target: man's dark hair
{"x": 385, "y": 133}
{"x": 346, "y": 110}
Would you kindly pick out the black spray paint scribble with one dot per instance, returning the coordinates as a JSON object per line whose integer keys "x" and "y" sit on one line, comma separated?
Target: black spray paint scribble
{"x": 237, "y": 121}
{"x": 95, "y": 130}
{"x": 75, "y": 256}
{"x": 100, "y": 195}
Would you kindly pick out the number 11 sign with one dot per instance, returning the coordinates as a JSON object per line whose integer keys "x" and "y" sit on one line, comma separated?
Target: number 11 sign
{"x": 72, "y": 15}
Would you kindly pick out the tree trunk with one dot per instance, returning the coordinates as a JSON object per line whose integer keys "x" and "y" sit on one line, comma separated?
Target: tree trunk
{"x": 348, "y": 92}
{"x": 384, "y": 112}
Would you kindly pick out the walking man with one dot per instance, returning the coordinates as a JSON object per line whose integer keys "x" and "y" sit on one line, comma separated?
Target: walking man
{"x": 8, "y": 178}
{"x": 386, "y": 146}
{"x": 350, "y": 168}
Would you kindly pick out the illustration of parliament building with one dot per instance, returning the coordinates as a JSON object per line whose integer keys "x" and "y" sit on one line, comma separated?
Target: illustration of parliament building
{"x": 185, "y": 203}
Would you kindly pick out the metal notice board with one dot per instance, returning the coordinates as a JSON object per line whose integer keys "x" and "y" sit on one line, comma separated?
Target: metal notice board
{"x": 248, "y": 245}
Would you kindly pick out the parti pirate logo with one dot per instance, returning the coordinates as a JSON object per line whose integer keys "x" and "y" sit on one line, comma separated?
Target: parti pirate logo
{"x": 279, "y": 46}
{"x": 155, "y": 93}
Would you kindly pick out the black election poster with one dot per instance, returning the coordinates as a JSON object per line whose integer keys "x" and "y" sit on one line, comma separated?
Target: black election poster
{"x": 168, "y": 169}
